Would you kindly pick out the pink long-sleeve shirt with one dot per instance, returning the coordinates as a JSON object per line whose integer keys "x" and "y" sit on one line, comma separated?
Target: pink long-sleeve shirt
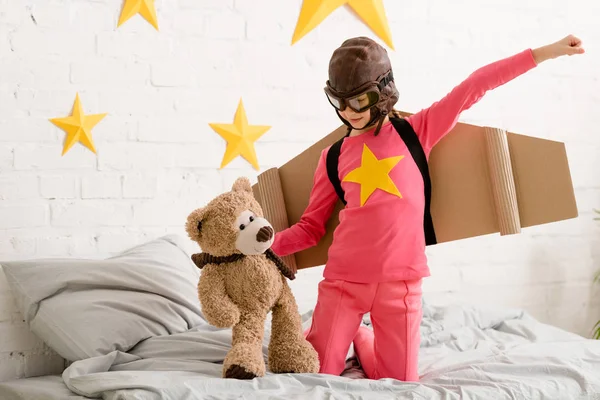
{"x": 380, "y": 236}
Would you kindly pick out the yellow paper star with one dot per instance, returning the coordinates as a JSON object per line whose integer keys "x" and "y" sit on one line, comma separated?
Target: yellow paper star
{"x": 78, "y": 127}
{"x": 144, "y": 7}
{"x": 240, "y": 137}
{"x": 370, "y": 11}
{"x": 374, "y": 174}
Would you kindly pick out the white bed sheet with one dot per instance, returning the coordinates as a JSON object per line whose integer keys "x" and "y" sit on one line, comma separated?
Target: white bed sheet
{"x": 466, "y": 353}
{"x": 51, "y": 387}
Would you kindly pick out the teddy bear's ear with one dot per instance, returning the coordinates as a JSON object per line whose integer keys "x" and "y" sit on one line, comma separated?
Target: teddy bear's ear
{"x": 242, "y": 184}
{"x": 193, "y": 225}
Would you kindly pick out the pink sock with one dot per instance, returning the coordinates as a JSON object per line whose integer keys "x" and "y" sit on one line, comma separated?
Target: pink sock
{"x": 364, "y": 347}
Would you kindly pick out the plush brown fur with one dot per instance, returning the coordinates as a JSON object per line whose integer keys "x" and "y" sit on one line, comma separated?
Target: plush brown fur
{"x": 241, "y": 292}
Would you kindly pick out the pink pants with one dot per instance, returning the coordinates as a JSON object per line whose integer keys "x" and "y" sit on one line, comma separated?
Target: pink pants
{"x": 389, "y": 351}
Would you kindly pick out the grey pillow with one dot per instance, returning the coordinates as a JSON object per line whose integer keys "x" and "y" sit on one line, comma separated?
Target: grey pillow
{"x": 84, "y": 308}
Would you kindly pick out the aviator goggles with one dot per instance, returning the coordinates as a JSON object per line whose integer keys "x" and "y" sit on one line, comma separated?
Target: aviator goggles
{"x": 360, "y": 99}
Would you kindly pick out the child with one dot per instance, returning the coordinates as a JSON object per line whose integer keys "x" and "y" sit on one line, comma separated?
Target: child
{"x": 377, "y": 258}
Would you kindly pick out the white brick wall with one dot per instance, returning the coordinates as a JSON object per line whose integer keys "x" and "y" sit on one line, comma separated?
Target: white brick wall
{"x": 158, "y": 158}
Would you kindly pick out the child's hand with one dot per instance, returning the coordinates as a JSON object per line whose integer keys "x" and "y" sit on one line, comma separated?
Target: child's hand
{"x": 565, "y": 47}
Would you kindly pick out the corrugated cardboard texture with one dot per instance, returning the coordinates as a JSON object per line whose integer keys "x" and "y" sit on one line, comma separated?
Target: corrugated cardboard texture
{"x": 484, "y": 181}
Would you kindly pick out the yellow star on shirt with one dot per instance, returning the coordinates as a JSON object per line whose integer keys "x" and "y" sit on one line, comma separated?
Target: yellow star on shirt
{"x": 78, "y": 127}
{"x": 372, "y": 13}
{"x": 373, "y": 174}
{"x": 144, "y": 7}
{"x": 240, "y": 137}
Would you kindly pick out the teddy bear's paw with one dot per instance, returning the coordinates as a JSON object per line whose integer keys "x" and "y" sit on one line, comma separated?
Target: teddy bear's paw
{"x": 299, "y": 357}
{"x": 244, "y": 361}
{"x": 239, "y": 372}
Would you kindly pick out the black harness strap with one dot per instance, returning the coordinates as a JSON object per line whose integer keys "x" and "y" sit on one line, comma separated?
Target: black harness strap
{"x": 410, "y": 138}
{"x": 333, "y": 155}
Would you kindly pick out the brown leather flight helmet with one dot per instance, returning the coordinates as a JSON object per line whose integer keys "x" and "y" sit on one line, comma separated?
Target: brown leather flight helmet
{"x": 361, "y": 66}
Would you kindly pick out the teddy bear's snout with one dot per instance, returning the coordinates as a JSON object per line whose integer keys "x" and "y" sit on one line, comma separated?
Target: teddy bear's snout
{"x": 264, "y": 234}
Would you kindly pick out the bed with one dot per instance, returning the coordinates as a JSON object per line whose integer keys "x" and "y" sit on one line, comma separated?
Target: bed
{"x": 143, "y": 336}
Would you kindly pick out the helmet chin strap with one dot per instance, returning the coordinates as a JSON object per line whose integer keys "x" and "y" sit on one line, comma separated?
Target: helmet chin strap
{"x": 381, "y": 119}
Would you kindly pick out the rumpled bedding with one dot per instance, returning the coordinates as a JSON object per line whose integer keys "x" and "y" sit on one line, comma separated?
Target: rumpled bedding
{"x": 466, "y": 353}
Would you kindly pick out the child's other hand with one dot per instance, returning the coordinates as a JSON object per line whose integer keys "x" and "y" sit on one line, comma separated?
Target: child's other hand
{"x": 565, "y": 47}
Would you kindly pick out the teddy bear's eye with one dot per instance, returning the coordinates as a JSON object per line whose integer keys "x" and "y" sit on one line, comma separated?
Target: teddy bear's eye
{"x": 242, "y": 226}
{"x": 251, "y": 218}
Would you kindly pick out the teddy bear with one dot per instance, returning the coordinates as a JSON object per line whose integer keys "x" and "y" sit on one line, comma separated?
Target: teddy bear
{"x": 242, "y": 280}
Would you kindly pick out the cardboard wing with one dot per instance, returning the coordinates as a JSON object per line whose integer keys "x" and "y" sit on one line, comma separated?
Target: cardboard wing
{"x": 484, "y": 181}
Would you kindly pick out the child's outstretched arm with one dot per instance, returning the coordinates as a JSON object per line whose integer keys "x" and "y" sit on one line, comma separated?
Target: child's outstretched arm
{"x": 310, "y": 229}
{"x": 431, "y": 124}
